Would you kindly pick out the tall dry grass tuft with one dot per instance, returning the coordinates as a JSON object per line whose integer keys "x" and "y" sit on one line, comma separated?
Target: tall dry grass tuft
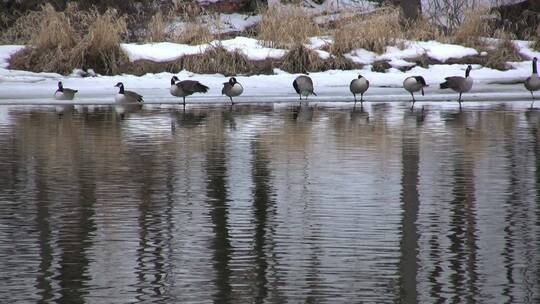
{"x": 54, "y": 30}
{"x": 100, "y": 47}
{"x": 422, "y": 30}
{"x": 372, "y": 32}
{"x": 504, "y": 51}
{"x": 217, "y": 59}
{"x": 340, "y": 62}
{"x": 58, "y": 46}
{"x": 300, "y": 60}
{"x": 473, "y": 28}
{"x": 285, "y": 26}
{"x": 22, "y": 29}
{"x": 536, "y": 39}
{"x": 193, "y": 32}
{"x": 155, "y": 31}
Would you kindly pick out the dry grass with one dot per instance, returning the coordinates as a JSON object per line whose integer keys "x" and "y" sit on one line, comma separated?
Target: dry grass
{"x": 381, "y": 66}
{"x": 372, "y": 32}
{"x": 340, "y": 62}
{"x": 286, "y": 26}
{"x": 216, "y": 59}
{"x": 536, "y": 39}
{"x": 155, "y": 31}
{"x": 193, "y": 33}
{"x": 301, "y": 60}
{"x": 473, "y": 28}
{"x": 422, "y": 30}
{"x": 100, "y": 48}
{"x": 58, "y": 46}
{"x": 504, "y": 51}
{"x": 22, "y": 29}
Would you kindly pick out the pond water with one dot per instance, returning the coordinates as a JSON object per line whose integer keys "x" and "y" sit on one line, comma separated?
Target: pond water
{"x": 271, "y": 204}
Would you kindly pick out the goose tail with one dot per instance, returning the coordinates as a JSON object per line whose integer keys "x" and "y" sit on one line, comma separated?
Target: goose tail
{"x": 201, "y": 88}
{"x": 444, "y": 85}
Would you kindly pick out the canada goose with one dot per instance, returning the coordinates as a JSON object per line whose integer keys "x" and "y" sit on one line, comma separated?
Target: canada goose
{"x": 127, "y": 101}
{"x": 303, "y": 85}
{"x": 126, "y": 96}
{"x": 532, "y": 83}
{"x": 359, "y": 85}
{"x": 414, "y": 84}
{"x": 232, "y": 88}
{"x": 64, "y": 93}
{"x": 459, "y": 84}
{"x": 186, "y": 87}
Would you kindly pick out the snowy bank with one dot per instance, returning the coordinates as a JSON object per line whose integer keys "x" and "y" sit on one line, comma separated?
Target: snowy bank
{"x": 330, "y": 83}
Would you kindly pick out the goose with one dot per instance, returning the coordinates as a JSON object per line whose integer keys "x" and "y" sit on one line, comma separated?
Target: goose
{"x": 458, "y": 83}
{"x": 359, "y": 86}
{"x": 532, "y": 83}
{"x": 126, "y": 100}
{"x": 303, "y": 85}
{"x": 186, "y": 87}
{"x": 414, "y": 84}
{"x": 232, "y": 88}
{"x": 64, "y": 93}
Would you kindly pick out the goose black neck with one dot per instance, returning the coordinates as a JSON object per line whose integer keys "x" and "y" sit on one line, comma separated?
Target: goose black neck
{"x": 535, "y": 71}
{"x": 60, "y": 87}
{"x": 467, "y": 72}
{"x": 121, "y": 89}
{"x": 172, "y": 81}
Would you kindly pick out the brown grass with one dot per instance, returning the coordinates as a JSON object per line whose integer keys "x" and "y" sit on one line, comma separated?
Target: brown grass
{"x": 536, "y": 39}
{"x": 193, "y": 33}
{"x": 100, "y": 48}
{"x": 22, "y": 29}
{"x": 286, "y": 26}
{"x": 58, "y": 46}
{"x": 216, "y": 59}
{"x": 372, "y": 32}
{"x": 380, "y": 66}
{"x": 155, "y": 31}
{"x": 339, "y": 62}
{"x": 505, "y": 50}
{"x": 473, "y": 28}
{"x": 301, "y": 60}
{"x": 422, "y": 30}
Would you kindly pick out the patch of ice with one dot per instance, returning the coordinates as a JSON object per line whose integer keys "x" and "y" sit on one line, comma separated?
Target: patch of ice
{"x": 433, "y": 49}
{"x": 318, "y": 42}
{"x": 6, "y": 51}
{"x": 161, "y": 51}
{"x": 252, "y": 48}
{"x": 323, "y": 54}
{"x": 361, "y": 56}
{"x": 525, "y": 49}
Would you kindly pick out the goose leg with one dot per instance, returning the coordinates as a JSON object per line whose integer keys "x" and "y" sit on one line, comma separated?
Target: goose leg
{"x": 184, "y": 99}
{"x": 232, "y": 102}
{"x": 354, "y": 98}
{"x": 361, "y": 97}
{"x": 413, "y": 101}
{"x": 532, "y": 103}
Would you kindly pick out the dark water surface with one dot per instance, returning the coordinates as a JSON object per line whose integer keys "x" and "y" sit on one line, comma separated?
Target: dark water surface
{"x": 263, "y": 204}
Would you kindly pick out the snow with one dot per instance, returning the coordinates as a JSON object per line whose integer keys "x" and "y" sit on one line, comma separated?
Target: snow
{"x": 265, "y": 87}
{"x": 5, "y": 53}
{"x": 167, "y": 51}
{"x": 161, "y": 51}
{"x": 252, "y": 48}
{"x": 433, "y": 49}
{"x": 237, "y": 22}
{"x": 525, "y": 49}
{"x": 220, "y": 23}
